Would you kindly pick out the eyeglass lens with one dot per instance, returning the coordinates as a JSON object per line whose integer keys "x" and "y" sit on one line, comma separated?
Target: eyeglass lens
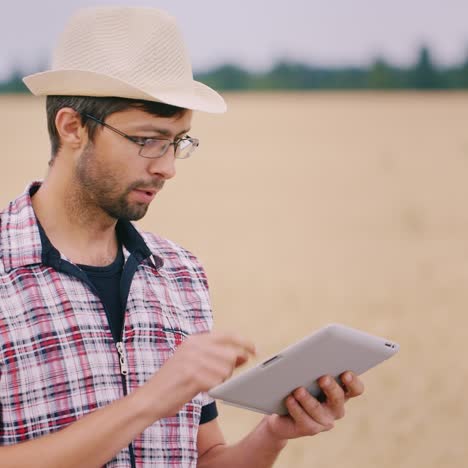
{"x": 157, "y": 148}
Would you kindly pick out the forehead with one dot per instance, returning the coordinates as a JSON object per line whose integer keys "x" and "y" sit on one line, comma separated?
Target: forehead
{"x": 139, "y": 120}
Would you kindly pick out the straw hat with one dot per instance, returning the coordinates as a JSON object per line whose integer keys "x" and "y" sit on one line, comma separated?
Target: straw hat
{"x": 135, "y": 53}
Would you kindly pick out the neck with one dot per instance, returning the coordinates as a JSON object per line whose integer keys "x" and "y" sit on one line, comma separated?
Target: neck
{"x": 79, "y": 229}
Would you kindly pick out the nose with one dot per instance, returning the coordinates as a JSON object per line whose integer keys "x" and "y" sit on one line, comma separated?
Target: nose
{"x": 164, "y": 166}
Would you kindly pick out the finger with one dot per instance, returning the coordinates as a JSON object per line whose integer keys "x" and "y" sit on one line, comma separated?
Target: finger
{"x": 234, "y": 355}
{"x": 216, "y": 345}
{"x": 313, "y": 407}
{"x": 335, "y": 396}
{"x": 353, "y": 385}
{"x": 215, "y": 370}
{"x": 235, "y": 340}
{"x": 305, "y": 423}
{"x": 241, "y": 359}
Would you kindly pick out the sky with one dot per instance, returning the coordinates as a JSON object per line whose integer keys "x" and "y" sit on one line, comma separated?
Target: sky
{"x": 257, "y": 33}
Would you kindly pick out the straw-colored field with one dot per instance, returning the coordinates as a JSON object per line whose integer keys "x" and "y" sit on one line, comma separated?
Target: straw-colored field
{"x": 316, "y": 208}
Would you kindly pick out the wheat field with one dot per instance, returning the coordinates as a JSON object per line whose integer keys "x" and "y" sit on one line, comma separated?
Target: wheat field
{"x": 310, "y": 208}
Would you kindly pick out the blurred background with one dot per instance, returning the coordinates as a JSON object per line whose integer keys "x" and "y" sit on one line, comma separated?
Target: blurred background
{"x": 333, "y": 190}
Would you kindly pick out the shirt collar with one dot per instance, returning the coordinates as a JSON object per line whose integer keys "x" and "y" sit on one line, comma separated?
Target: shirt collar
{"x": 24, "y": 242}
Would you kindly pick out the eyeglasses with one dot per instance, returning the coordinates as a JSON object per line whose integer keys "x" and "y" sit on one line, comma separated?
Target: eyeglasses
{"x": 156, "y": 147}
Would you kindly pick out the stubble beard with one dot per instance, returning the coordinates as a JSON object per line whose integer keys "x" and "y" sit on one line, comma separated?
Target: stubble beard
{"x": 101, "y": 189}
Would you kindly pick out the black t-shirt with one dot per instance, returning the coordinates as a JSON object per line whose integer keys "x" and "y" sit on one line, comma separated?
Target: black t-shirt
{"x": 106, "y": 280}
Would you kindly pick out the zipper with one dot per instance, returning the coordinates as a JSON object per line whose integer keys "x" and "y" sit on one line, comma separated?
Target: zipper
{"x": 73, "y": 270}
{"x": 122, "y": 358}
{"x": 124, "y": 372}
{"x": 129, "y": 269}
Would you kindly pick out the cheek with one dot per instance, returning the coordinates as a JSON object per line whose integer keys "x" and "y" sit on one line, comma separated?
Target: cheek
{"x": 114, "y": 163}
{"x": 115, "y": 167}
{"x": 125, "y": 159}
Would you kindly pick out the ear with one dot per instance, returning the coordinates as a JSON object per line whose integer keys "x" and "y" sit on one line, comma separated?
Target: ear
{"x": 70, "y": 128}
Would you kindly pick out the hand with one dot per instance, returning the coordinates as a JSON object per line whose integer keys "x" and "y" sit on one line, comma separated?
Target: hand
{"x": 307, "y": 416}
{"x": 200, "y": 363}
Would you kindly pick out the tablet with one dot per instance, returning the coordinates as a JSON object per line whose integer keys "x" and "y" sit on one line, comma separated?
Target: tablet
{"x": 332, "y": 350}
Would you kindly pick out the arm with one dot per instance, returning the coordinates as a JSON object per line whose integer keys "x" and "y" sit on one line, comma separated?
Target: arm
{"x": 200, "y": 363}
{"x": 80, "y": 444}
{"x": 257, "y": 449}
{"x": 261, "y": 447}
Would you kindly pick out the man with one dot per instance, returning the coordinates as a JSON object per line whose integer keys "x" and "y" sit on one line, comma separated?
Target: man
{"x": 106, "y": 352}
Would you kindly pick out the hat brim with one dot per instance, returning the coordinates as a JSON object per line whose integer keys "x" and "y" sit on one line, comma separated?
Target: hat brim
{"x": 192, "y": 95}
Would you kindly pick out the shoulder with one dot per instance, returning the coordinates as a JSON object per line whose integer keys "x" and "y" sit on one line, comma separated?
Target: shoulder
{"x": 184, "y": 277}
{"x": 174, "y": 256}
{"x": 166, "y": 247}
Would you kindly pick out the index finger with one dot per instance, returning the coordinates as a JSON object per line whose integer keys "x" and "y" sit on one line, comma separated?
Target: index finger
{"x": 235, "y": 340}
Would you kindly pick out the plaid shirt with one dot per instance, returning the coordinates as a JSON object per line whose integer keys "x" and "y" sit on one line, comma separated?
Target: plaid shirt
{"x": 58, "y": 360}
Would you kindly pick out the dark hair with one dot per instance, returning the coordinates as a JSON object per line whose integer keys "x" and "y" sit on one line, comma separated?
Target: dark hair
{"x": 101, "y": 108}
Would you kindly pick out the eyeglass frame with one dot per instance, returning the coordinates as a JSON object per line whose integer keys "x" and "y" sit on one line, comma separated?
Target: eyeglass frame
{"x": 195, "y": 142}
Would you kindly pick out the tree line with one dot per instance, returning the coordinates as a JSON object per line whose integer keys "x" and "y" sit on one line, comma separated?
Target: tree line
{"x": 284, "y": 75}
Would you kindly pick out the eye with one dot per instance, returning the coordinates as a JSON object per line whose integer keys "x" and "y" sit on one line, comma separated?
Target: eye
{"x": 182, "y": 140}
{"x": 141, "y": 140}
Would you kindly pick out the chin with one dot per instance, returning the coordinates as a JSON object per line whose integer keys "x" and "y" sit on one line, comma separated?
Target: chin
{"x": 128, "y": 213}
{"x": 135, "y": 214}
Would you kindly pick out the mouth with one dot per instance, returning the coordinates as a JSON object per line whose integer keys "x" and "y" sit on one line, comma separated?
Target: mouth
{"x": 151, "y": 192}
{"x": 145, "y": 195}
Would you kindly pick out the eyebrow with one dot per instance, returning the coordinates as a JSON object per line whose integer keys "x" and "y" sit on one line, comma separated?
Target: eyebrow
{"x": 162, "y": 131}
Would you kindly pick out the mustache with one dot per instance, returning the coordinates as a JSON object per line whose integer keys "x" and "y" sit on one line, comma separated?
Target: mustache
{"x": 156, "y": 184}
